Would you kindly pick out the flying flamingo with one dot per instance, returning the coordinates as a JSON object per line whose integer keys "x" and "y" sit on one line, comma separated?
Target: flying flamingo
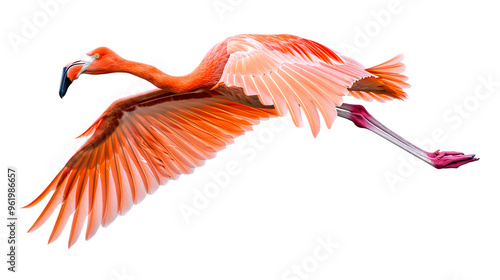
{"x": 143, "y": 141}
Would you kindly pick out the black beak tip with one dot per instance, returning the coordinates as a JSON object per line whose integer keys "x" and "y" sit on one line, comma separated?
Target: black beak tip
{"x": 65, "y": 83}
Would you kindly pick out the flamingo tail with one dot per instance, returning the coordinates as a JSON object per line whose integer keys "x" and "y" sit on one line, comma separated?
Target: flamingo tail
{"x": 387, "y": 83}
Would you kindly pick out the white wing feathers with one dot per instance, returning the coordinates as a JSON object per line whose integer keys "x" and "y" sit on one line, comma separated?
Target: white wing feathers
{"x": 300, "y": 77}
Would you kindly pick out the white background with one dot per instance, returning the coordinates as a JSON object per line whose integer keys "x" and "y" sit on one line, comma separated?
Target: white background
{"x": 421, "y": 224}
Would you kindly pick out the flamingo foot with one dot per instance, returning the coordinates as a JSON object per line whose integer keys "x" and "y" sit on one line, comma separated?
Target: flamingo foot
{"x": 440, "y": 159}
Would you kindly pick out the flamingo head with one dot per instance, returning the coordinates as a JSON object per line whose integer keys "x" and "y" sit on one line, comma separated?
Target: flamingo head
{"x": 99, "y": 61}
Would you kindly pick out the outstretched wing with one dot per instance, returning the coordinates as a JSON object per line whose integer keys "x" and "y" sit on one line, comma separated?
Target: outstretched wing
{"x": 138, "y": 144}
{"x": 290, "y": 73}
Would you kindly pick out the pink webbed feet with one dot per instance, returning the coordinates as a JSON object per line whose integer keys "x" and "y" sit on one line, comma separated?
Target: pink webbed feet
{"x": 449, "y": 159}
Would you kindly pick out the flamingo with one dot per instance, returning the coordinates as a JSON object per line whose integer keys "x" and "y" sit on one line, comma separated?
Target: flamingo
{"x": 143, "y": 141}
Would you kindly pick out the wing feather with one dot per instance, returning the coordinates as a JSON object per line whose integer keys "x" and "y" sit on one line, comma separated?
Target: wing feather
{"x": 69, "y": 200}
{"x": 291, "y": 73}
{"x": 138, "y": 156}
{"x": 138, "y": 144}
{"x": 96, "y": 202}
{"x": 129, "y": 178}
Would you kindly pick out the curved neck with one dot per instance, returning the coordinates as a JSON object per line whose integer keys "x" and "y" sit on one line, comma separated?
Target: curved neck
{"x": 152, "y": 74}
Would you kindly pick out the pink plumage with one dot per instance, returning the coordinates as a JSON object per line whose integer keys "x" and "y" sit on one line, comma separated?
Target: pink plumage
{"x": 143, "y": 141}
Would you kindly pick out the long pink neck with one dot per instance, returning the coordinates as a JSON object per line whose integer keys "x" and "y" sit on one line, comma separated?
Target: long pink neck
{"x": 191, "y": 81}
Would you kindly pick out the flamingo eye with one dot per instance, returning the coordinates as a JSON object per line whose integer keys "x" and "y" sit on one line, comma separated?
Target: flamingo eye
{"x": 96, "y": 55}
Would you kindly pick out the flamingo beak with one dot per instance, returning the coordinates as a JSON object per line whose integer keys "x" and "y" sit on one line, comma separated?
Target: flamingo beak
{"x": 65, "y": 82}
{"x": 72, "y": 71}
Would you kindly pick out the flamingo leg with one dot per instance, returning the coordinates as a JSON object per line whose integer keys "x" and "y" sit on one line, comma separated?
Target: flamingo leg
{"x": 361, "y": 118}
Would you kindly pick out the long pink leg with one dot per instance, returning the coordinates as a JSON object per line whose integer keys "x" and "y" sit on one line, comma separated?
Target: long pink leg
{"x": 361, "y": 118}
